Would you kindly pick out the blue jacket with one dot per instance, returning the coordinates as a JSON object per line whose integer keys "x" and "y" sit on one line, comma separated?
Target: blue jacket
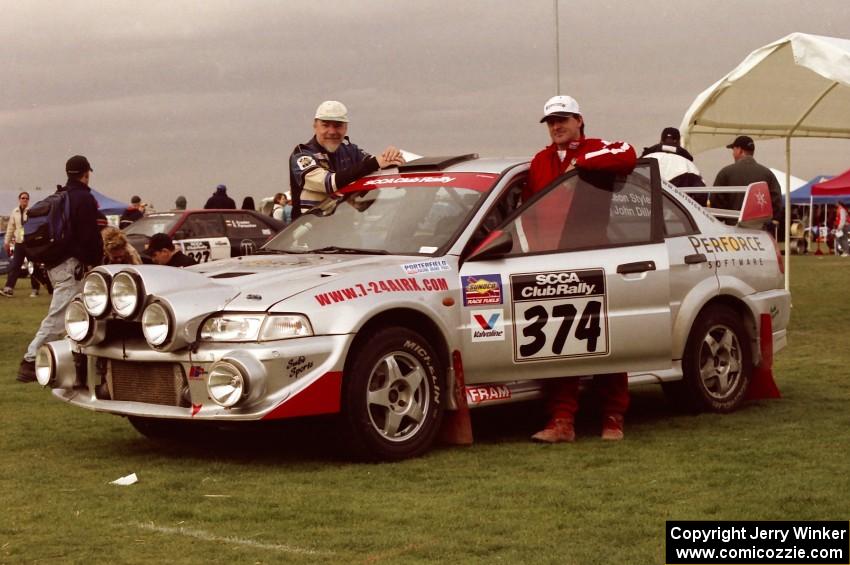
{"x": 348, "y": 163}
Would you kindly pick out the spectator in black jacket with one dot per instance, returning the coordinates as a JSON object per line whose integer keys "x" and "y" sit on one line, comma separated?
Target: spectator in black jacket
{"x": 675, "y": 163}
{"x": 83, "y": 250}
{"x": 220, "y": 200}
{"x": 161, "y": 250}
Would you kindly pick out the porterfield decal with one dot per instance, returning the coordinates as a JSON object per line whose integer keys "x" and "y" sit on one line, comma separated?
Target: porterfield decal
{"x": 558, "y": 314}
{"x": 479, "y": 290}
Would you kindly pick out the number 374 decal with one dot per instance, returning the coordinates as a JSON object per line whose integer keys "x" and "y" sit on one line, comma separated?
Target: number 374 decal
{"x": 559, "y": 314}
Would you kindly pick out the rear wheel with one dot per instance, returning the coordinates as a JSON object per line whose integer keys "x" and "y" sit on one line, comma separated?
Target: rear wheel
{"x": 392, "y": 396}
{"x": 718, "y": 362}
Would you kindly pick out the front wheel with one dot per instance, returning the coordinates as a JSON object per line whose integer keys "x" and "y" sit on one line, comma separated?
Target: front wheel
{"x": 718, "y": 361}
{"x": 392, "y": 396}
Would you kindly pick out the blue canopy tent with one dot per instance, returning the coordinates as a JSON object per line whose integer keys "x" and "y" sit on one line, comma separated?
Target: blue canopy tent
{"x": 803, "y": 195}
{"x": 108, "y": 205}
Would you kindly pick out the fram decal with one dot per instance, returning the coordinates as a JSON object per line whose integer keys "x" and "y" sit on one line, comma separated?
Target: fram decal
{"x": 426, "y": 267}
{"x": 481, "y": 289}
{"x": 406, "y": 284}
{"x": 487, "y": 325}
{"x": 489, "y": 393}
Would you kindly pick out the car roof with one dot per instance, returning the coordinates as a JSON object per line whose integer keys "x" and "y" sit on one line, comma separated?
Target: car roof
{"x": 468, "y": 163}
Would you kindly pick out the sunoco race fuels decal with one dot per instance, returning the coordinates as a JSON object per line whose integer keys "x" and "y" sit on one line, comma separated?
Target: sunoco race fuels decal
{"x": 559, "y": 314}
{"x": 481, "y": 289}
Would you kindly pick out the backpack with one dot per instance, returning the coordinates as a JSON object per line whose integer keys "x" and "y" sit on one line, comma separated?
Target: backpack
{"x": 47, "y": 231}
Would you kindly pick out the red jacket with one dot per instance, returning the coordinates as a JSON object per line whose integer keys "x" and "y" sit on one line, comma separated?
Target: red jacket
{"x": 543, "y": 225}
{"x": 589, "y": 153}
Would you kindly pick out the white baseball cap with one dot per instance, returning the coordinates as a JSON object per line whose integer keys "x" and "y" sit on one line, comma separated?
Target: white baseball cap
{"x": 332, "y": 111}
{"x": 561, "y": 106}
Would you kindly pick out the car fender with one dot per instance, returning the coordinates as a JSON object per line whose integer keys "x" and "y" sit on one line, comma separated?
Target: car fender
{"x": 690, "y": 308}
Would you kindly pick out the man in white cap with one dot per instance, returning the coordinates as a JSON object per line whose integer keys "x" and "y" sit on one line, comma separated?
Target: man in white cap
{"x": 329, "y": 161}
{"x": 569, "y": 150}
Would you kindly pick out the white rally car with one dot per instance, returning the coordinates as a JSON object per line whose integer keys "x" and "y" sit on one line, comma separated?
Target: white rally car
{"x": 381, "y": 303}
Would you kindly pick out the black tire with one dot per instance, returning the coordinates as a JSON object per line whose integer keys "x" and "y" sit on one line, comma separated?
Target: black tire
{"x": 392, "y": 398}
{"x": 718, "y": 362}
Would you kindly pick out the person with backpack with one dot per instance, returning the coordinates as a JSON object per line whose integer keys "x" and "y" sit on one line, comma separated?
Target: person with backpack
{"x": 15, "y": 236}
{"x": 62, "y": 232}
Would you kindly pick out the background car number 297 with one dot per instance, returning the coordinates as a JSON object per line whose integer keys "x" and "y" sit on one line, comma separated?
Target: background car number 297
{"x": 197, "y": 250}
{"x": 559, "y": 314}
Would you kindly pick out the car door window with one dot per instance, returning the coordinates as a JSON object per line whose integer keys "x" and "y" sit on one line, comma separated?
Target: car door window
{"x": 677, "y": 222}
{"x": 243, "y": 226}
{"x": 202, "y": 225}
{"x": 586, "y": 211}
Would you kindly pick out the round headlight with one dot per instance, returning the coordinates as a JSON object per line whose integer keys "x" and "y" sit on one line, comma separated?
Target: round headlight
{"x": 45, "y": 367}
{"x": 78, "y": 323}
{"x": 125, "y": 295}
{"x": 156, "y": 324}
{"x": 226, "y": 385}
{"x": 95, "y": 294}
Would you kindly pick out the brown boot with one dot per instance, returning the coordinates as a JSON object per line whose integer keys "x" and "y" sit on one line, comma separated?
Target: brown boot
{"x": 558, "y": 430}
{"x": 612, "y": 427}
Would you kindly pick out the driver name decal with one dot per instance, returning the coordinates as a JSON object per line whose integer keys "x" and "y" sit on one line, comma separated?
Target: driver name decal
{"x": 360, "y": 290}
{"x": 559, "y": 314}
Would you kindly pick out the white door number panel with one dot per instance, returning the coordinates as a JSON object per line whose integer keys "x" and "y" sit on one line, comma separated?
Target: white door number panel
{"x": 559, "y": 314}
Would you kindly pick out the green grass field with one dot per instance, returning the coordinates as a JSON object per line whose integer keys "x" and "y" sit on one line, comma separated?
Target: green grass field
{"x": 275, "y": 496}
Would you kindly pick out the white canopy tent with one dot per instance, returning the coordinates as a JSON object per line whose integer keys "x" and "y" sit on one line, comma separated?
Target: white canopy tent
{"x": 782, "y": 177}
{"x": 798, "y": 86}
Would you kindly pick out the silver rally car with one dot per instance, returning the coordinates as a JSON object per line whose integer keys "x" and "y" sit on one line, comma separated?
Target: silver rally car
{"x": 422, "y": 289}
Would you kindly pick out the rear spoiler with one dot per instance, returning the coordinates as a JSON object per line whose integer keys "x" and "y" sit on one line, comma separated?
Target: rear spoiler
{"x": 756, "y": 209}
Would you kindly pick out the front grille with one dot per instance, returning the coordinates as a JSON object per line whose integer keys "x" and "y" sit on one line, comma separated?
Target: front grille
{"x": 153, "y": 383}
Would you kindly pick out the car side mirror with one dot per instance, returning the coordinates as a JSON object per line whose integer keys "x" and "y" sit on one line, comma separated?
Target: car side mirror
{"x": 496, "y": 245}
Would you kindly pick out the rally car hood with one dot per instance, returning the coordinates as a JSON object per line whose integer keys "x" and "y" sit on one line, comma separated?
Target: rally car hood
{"x": 260, "y": 281}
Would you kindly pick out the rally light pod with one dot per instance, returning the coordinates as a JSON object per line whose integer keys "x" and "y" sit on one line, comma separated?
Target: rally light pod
{"x": 96, "y": 293}
{"x": 127, "y": 294}
{"x": 54, "y": 365}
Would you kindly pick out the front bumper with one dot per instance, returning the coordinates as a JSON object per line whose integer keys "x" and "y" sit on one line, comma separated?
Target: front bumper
{"x": 131, "y": 379}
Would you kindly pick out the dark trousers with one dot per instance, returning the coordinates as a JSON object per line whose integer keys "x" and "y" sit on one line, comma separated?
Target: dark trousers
{"x": 18, "y": 258}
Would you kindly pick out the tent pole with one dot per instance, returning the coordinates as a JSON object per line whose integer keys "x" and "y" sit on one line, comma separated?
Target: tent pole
{"x": 787, "y": 258}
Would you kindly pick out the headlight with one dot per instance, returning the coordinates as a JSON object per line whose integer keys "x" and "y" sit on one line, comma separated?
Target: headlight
{"x": 78, "y": 324}
{"x": 254, "y": 327}
{"x": 96, "y": 294}
{"x": 45, "y": 365}
{"x": 285, "y": 326}
{"x": 125, "y": 295}
{"x": 156, "y": 324}
{"x": 226, "y": 385}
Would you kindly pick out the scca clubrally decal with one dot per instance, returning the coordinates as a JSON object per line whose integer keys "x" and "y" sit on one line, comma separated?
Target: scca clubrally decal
{"x": 559, "y": 314}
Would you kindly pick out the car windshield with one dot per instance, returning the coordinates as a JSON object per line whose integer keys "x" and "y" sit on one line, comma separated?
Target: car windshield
{"x": 149, "y": 225}
{"x": 401, "y": 220}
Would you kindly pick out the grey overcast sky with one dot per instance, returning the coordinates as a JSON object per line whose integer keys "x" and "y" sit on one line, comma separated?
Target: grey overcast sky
{"x": 173, "y": 97}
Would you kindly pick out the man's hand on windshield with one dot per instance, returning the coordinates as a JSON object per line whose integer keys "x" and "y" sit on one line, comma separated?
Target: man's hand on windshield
{"x": 391, "y": 157}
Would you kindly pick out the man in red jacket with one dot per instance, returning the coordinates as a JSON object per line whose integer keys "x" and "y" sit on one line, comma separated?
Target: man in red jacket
{"x": 569, "y": 150}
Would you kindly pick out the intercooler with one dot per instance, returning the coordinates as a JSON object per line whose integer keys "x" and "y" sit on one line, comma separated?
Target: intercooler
{"x": 152, "y": 383}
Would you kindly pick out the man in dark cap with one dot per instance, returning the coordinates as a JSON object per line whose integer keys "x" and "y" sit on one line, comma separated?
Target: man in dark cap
{"x": 82, "y": 248}
{"x": 220, "y": 200}
{"x": 161, "y": 250}
{"x": 744, "y": 171}
{"x": 675, "y": 163}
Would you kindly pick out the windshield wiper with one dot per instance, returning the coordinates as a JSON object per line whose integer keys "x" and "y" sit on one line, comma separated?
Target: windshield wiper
{"x": 353, "y": 250}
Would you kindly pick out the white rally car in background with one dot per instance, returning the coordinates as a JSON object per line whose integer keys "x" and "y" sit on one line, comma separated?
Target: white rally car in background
{"x": 378, "y": 303}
